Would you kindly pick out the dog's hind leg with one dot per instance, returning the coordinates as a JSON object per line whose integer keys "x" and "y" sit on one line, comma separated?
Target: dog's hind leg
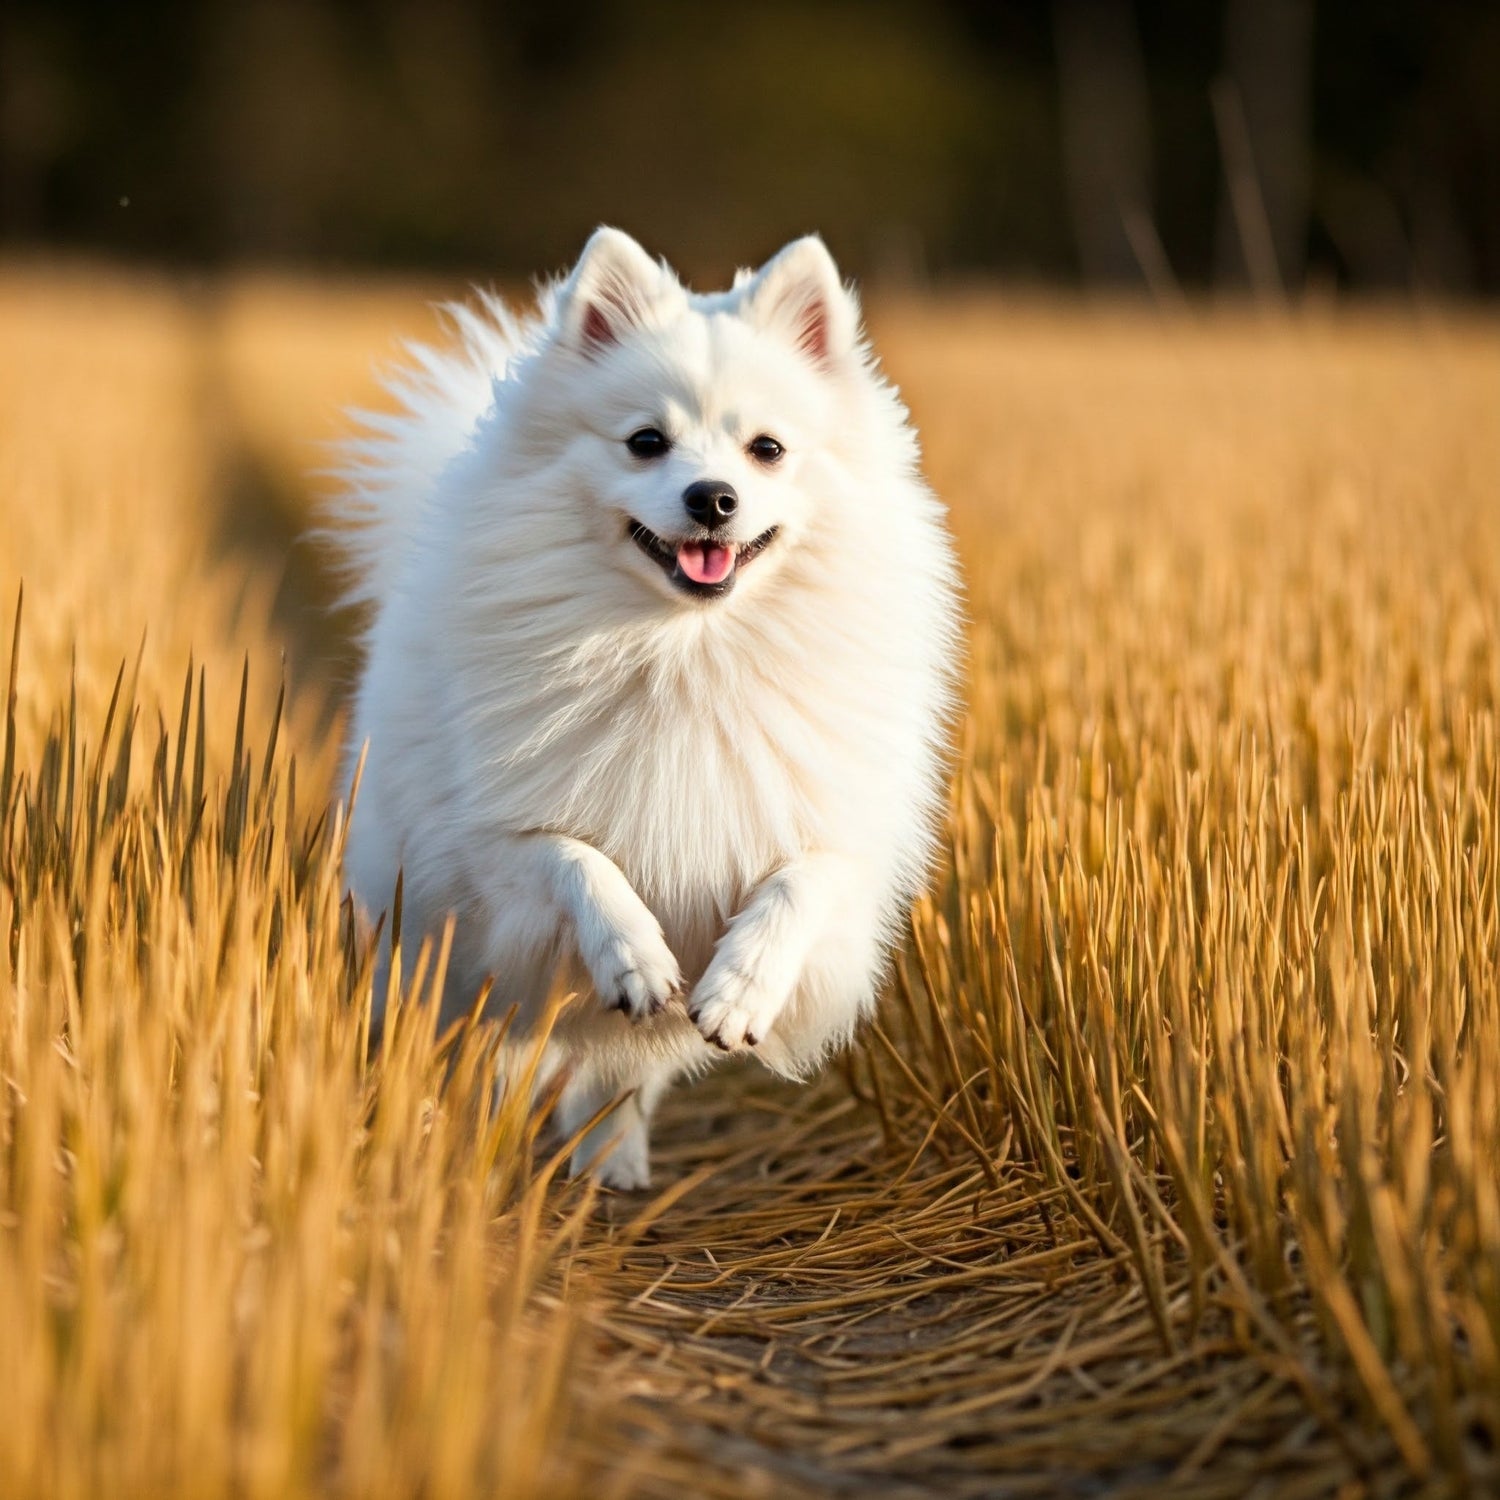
{"x": 618, "y": 1148}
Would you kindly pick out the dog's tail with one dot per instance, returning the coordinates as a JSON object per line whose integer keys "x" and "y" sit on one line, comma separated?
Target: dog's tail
{"x": 387, "y": 471}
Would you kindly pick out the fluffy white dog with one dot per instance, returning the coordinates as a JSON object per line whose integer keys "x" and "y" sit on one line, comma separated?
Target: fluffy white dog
{"x": 664, "y": 625}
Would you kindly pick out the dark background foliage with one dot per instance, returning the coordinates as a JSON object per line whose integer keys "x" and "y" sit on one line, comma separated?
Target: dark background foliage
{"x": 1268, "y": 143}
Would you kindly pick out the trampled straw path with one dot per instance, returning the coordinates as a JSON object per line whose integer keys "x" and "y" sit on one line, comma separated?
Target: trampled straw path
{"x": 819, "y": 1312}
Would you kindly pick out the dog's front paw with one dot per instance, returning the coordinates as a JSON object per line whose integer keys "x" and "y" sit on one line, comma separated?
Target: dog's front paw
{"x": 634, "y": 971}
{"x": 732, "y": 1009}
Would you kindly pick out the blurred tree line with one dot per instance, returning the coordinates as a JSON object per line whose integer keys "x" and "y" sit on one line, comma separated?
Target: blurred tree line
{"x": 1176, "y": 143}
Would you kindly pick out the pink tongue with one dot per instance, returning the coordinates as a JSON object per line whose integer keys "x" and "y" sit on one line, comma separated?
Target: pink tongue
{"x": 705, "y": 562}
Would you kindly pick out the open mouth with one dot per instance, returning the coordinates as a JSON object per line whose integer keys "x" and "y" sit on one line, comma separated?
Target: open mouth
{"x": 702, "y": 566}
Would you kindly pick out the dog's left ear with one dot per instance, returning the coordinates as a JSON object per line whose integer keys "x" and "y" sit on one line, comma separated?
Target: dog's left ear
{"x": 798, "y": 292}
{"x": 612, "y": 289}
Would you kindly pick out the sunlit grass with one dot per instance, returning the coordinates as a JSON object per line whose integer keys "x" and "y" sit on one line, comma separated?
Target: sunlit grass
{"x": 1186, "y": 1097}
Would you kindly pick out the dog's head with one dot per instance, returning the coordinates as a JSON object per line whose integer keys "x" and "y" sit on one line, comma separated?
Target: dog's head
{"x": 700, "y": 427}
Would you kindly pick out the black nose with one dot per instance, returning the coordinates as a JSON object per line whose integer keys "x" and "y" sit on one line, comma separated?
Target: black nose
{"x": 710, "y": 502}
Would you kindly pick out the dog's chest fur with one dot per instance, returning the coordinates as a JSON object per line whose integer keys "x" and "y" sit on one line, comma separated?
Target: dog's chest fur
{"x": 695, "y": 771}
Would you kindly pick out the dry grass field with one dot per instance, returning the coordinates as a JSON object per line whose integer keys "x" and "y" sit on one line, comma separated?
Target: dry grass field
{"x": 1173, "y": 1166}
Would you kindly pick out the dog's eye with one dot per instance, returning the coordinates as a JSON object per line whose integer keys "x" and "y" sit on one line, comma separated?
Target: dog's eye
{"x": 649, "y": 442}
{"x": 765, "y": 448}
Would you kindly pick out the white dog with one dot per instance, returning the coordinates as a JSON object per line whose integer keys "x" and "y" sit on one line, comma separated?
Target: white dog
{"x": 660, "y": 668}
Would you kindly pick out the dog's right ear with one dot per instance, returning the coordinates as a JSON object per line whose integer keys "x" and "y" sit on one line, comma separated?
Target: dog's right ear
{"x": 612, "y": 289}
{"x": 798, "y": 291}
